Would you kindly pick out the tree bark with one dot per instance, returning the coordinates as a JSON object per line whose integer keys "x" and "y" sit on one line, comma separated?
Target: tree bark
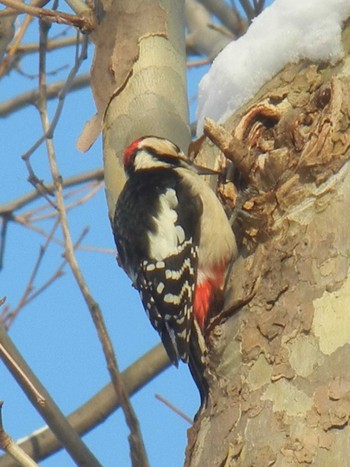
{"x": 139, "y": 80}
{"x": 280, "y": 350}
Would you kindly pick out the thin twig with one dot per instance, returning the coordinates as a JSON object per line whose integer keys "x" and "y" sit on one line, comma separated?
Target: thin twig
{"x": 58, "y": 273}
{"x": 84, "y": 22}
{"x": 59, "y": 270}
{"x": 11, "y": 316}
{"x": 9, "y": 446}
{"x": 4, "y": 225}
{"x": 227, "y": 14}
{"x": 45, "y": 211}
{"x": 195, "y": 63}
{"x": 93, "y": 188}
{"x": 31, "y": 97}
{"x": 248, "y": 9}
{"x": 232, "y": 148}
{"x": 258, "y": 6}
{"x": 77, "y": 6}
{"x": 7, "y": 34}
{"x": 138, "y": 452}
{"x": 221, "y": 30}
{"x": 61, "y": 99}
{"x": 174, "y": 408}
{"x": 43, "y": 402}
{"x": 36, "y": 229}
{"x": 42, "y": 442}
{"x": 11, "y": 11}
{"x": 8, "y": 316}
{"x": 22, "y": 201}
{"x": 4, "y": 65}
{"x": 13, "y": 48}
{"x": 33, "y": 47}
{"x": 107, "y": 251}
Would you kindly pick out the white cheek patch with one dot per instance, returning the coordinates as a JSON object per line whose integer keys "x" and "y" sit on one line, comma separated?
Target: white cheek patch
{"x": 144, "y": 160}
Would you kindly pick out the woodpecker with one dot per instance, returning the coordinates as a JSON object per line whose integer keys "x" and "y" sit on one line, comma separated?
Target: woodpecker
{"x": 175, "y": 242}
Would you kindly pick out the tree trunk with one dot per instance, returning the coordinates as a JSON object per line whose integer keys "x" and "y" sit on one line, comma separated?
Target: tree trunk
{"x": 139, "y": 80}
{"x": 281, "y": 349}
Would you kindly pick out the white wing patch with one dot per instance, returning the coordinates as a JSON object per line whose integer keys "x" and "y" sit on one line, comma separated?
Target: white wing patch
{"x": 180, "y": 233}
{"x": 164, "y": 242}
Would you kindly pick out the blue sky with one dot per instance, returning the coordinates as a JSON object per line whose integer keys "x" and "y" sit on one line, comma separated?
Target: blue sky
{"x": 55, "y": 333}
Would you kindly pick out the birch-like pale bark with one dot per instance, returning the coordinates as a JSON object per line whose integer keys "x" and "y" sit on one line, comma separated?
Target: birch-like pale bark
{"x": 282, "y": 396}
{"x": 139, "y": 79}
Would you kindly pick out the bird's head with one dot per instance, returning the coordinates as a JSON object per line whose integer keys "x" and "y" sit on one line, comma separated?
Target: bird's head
{"x": 150, "y": 152}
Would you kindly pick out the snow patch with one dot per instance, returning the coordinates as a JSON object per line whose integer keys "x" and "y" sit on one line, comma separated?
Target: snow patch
{"x": 287, "y": 31}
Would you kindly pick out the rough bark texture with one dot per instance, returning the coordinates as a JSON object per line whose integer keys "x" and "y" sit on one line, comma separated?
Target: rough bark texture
{"x": 139, "y": 79}
{"x": 282, "y": 396}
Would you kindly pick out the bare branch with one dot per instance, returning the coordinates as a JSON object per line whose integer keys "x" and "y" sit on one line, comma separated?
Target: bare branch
{"x": 91, "y": 190}
{"x": 31, "y": 385}
{"x": 43, "y": 442}
{"x": 4, "y": 225}
{"x": 201, "y": 38}
{"x": 52, "y": 44}
{"x": 31, "y": 97}
{"x": 62, "y": 95}
{"x": 43, "y": 402}
{"x": 232, "y": 148}
{"x": 249, "y": 10}
{"x": 228, "y": 16}
{"x": 8, "y": 319}
{"x": 30, "y": 293}
{"x": 174, "y": 409}
{"x": 259, "y": 6}
{"x": 137, "y": 448}
{"x": 8, "y": 445}
{"x": 12, "y": 206}
{"x": 7, "y": 31}
{"x": 195, "y": 63}
{"x": 13, "y": 48}
{"x": 77, "y": 6}
{"x": 84, "y": 22}
{"x": 4, "y": 65}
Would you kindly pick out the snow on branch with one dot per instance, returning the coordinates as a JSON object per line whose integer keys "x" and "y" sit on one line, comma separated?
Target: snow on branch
{"x": 285, "y": 32}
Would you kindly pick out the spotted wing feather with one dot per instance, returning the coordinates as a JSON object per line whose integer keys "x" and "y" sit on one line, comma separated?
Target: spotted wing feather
{"x": 158, "y": 248}
{"x": 167, "y": 290}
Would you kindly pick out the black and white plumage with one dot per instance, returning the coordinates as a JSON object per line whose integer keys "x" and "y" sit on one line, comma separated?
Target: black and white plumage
{"x": 175, "y": 242}
{"x": 157, "y": 244}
